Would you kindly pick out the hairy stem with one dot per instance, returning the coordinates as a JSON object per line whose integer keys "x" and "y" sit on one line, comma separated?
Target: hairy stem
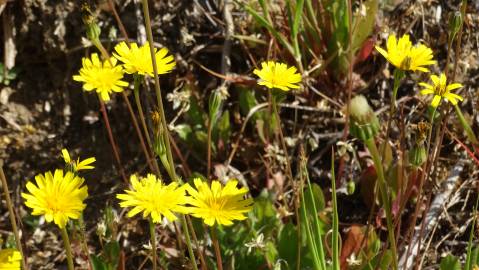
{"x": 68, "y": 249}
{"x": 153, "y": 242}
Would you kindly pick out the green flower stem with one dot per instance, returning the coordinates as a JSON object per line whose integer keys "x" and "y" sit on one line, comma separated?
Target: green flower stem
{"x": 11, "y": 214}
{"x": 216, "y": 244}
{"x": 136, "y": 91}
{"x": 153, "y": 242}
{"x": 164, "y": 124}
{"x": 371, "y": 145}
{"x": 398, "y": 75}
{"x": 470, "y": 134}
{"x": 68, "y": 249}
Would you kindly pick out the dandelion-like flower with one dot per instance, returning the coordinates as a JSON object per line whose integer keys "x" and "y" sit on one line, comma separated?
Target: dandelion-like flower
{"x": 150, "y": 196}
{"x": 441, "y": 90}
{"x": 403, "y": 55}
{"x": 219, "y": 204}
{"x": 278, "y": 75}
{"x": 59, "y": 196}
{"x": 138, "y": 59}
{"x": 10, "y": 259}
{"x": 104, "y": 76}
{"x": 77, "y": 165}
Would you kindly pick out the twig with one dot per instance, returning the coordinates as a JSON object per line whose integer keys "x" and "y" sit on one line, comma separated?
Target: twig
{"x": 11, "y": 213}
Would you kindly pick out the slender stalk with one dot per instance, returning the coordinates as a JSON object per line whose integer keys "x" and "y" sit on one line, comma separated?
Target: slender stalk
{"x": 68, "y": 249}
{"x": 113, "y": 144}
{"x": 371, "y": 145}
{"x": 199, "y": 249}
{"x": 281, "y": 138}
{"x": 12, "y": 217}
{"x": 146, "y": 14}
{"x": 153, "y": 242}
{"x": 459, "y": 39}
{"x": 424, "y": 175}
{"x": 208, "y": 169}
{"x": 138, "y": 132}
{"x": 398, "y": 75}
{"x": 216, "y": 244}
{"x": 106, "y": 56}
{"x": 136, "y": 91}
{"x": 83, "y": 241}
{"x": 335, "y": 236}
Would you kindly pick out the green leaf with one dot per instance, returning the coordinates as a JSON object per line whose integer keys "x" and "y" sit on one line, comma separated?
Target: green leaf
{"x": 271, "y": 253}
{"x": 97, "y": 263}
{"x": 450, "y": 262}
{"x": 263, "y": 215}
{"x": 288, "y": 245}
{"x": 318, "y": 198}
{"x": 363, "y": 25}
{"x": 223, "y": 128}
{"x": 184, "y": 131}
{"x": 247, "y": 101}
{"x": 196, "y": 115}
{"x": 112, "y": 253}
{"x": 264, "y": 22}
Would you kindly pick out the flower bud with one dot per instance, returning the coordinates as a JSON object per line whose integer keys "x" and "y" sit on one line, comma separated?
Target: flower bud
{"x": 417, "y": 155}
{"x": 364, "y": 123}
{"x": 92, "y": 29}
{"x": 455, "y": 22}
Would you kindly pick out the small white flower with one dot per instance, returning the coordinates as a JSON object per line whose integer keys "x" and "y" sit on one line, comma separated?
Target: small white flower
{"x": 256, "y": 243}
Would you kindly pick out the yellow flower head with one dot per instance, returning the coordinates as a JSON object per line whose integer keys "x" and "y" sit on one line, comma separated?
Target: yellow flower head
{"x": 403, "y": 55}
{"x": 104, "y": 77}
{"x": 10, "y": 259}
{"x": 278, "y": 75}
{"x": 138, "y": 59}
{"x": 441, "y": 90}
{"x": 150, "y": 196}
{"x": 59, "y": 197}
{"x": 219, "y": 204}
{"x": 77, "y": 165}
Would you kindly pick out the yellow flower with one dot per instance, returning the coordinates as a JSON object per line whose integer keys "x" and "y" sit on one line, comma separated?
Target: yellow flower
{"x": 278, "y": 75}
{"x": 59, "y": 197}
{"x": 138, "y": 59}
{"x": 403, "y": 55}
{"x": 104, "y": 77}
{"x": 10, "y": 259}
{"x": 150, "y": 196}
{"x": 441, "y": 90}
{"x": 77, "y": 165}
{"x": 218, "y": 204}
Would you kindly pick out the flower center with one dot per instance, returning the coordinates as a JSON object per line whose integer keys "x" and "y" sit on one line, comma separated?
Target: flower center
{"x": 406, "y": 63}
{"x": 440, "y": 89}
